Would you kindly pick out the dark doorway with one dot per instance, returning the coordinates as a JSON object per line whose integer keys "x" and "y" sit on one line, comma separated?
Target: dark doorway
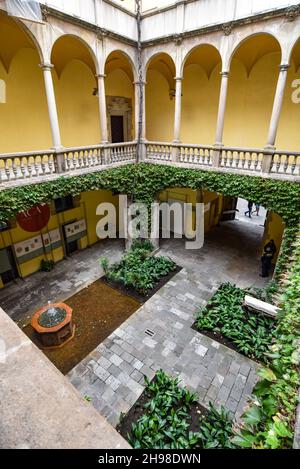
{"x": 229, "y": 208}
{"x": 117, "y": 129}
{"x": 9, "y": 270}
{"x": 71, "y": 245}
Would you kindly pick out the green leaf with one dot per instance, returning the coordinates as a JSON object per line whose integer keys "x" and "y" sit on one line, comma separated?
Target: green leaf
{"x": 253, "y": 415}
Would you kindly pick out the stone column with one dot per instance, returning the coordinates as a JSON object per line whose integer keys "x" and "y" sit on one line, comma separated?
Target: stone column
{"x": 102, "y": 108}
{"x": 140, "y": 87}
{"x": 56, "y": 140}
{"x": 177, "y": 114}
{"x": 277, "y": 106}
{"x": 222, "y": 108}
{"x": 216, "y": 157}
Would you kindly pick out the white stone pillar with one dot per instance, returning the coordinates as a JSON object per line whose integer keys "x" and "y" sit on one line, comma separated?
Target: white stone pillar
{"x": 222, "y": 108}
{"x": 102, "y": 107}
{"x": 140, "y": 87}
{"x": 177, "y": 114}
{"x": 277, "y": 106}
{"x": 56, "y": 140}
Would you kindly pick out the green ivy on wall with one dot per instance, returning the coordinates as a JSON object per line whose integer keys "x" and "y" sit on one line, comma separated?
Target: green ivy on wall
{"x": 148, "y": 180}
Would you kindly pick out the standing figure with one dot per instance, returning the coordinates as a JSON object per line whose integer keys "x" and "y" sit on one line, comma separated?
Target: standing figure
{"x": 257, "y": 207}
{"x": 250, "y": 205}
{"x": 266, "y": 258}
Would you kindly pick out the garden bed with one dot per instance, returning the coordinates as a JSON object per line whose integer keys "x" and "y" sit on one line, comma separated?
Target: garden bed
{"x": 227, "y": 321}
{"x": 167, "y": 416}
{"x": 139, "y": 273}
{"x": 97, "y": 311}
{"x": 132, "y": 292}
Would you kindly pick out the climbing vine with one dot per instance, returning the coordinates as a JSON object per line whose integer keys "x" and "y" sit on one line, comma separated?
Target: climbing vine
{"x": 269, "y": 422}
{"x": 279, "y": 196}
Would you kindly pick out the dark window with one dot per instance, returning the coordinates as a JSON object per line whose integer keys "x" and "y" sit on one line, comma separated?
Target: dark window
{"x": 63, "y": 203}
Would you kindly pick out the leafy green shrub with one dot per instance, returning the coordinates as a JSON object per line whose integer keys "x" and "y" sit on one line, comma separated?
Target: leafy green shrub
{"x": 138, "y": 269}
{"x": 252, "y": 333}
{"x": 269, "y": 422}
{"x": 46, "y": 265}
{"x": 104, "y": 264}
{"x": 166, "y": 421}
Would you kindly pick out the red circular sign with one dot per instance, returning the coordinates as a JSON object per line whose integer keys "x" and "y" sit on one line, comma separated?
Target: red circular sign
{"x": 35, "y": 218}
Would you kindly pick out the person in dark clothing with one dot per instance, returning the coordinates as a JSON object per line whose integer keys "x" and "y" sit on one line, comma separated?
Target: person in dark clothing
{"x": 250, "y": 205}
{"x": 266, "y": 258}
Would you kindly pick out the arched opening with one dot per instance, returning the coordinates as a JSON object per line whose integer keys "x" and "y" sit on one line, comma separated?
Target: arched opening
{"x": 233, "y": 239}
{"x": 74, "y": 83}
{"x": 120, "y": 99}
{"x": 160, "y": 98}
{"x": 288, "y": 135}
{"x": 253, "y": 77}
{"x": 200, "y": 96}
{"x": 24, "y": 118}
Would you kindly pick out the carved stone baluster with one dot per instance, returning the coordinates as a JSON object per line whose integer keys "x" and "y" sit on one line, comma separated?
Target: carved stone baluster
{"x": 23, "y": 167}
{"x": 7, "y": 170}
{"x": 286, "y": 164}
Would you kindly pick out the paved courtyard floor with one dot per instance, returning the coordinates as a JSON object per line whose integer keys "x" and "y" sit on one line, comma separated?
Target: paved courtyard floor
{"x": 113, "y": 374}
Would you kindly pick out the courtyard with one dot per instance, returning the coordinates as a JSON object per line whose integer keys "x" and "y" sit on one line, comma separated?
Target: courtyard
{"x": 121, "y": 121}
{"x": 112, "y": 374}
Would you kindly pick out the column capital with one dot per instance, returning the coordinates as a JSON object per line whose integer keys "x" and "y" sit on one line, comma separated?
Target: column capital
{"x": 178, "y": 78}
{"x": 224, "y": 73}
{"x": 284, "y": 67}
{"x": 46, "y": 66}
{"x": 100, "y": 75}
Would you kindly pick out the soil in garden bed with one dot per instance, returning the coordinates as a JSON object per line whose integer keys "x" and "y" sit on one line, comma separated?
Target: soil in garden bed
{"x": 138, "y": 296}
{"x": 97, "y": 311}
{"x": 137, "y": 410}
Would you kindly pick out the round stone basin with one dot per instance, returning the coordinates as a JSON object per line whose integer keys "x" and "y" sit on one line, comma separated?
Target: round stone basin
{"x": 53, "y": 324}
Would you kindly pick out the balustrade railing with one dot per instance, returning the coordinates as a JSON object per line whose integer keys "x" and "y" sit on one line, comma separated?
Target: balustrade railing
{"x": 42, "y": 164}
{"x": 36, "y": 164}
{"x": 241, "y": 158}
{"x": 285, "y": 162}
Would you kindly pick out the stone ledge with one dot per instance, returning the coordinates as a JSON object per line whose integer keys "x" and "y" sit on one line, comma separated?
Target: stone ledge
{"x": 39, "y": 407}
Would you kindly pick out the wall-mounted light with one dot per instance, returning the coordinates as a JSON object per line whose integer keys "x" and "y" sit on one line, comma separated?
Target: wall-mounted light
{"x": 172, "y": 93}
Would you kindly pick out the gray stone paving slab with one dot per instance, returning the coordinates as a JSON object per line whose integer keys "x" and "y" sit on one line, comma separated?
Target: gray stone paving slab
{"x": 215, "y": 372}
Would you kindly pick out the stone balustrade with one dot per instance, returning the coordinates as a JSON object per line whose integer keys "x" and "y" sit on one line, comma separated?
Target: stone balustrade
{"x": 36, "y": 166}
{"x": 277, "y": 163}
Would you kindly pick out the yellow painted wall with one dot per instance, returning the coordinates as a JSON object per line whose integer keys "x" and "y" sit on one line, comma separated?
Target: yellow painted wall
{"x": 288, "y": 136}
{"x": 24, "y": 120}
{"x": 211, "y": 217}
{"x": 274, "y": 229}
{"x": 159, "y": 108}
{"x": 78, "y": 109}
{"x": 200, "y": 100}
{"x": 86, "y": 208}
{"x": 250, "y": 101}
